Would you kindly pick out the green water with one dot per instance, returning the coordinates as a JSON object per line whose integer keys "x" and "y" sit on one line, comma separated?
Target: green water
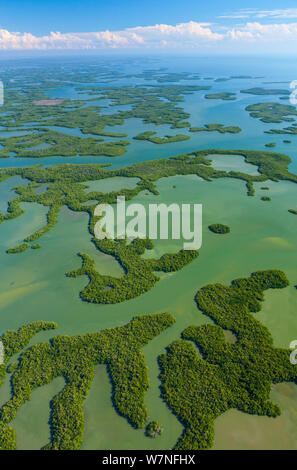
{"x": 112, "y": 184}
{"x": 232, "y": 163}
{"x": 33, "y": 285}
{"x": 262, "y": 237}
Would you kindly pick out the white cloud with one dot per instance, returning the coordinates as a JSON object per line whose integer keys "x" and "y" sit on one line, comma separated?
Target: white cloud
{"x": 265, "y": 32}
{"x": 191, "y": 33}
{"x": 286, "y": 13}
{"x": 183, "y": 36}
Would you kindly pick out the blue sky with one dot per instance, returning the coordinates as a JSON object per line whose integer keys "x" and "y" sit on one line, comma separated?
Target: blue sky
{"x": 43, "y": 16}
{"x": 189, "y": 25}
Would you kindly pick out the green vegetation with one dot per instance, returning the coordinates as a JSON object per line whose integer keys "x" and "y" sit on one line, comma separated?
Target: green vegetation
{"x": 287, "y": 141}
{"x": 217, "y": 128}
{"x": 12, "y": 367}
{"x": 19, "y": 248}
{"x": 58, "y": 143}
{"x": 66, "y": 184}
{"x": 265, "y": 91}
{"x": 42, "y": 126}
{"x": 264, "y": 188}
{"x": 139, "y": 274}
{"x": 74, "y": 359}
{"x": 154, "y": 429}
{"x": 14, "y": 342}
{"x": 237, "y": 375}
{"x": 36, "y": 246}
{"x": 272, "y": 112}
{"x": 225, "y": 96}
{"x": 291, "y": 130}
{"x": 149, "y": 136}
{"x": 163, "y": 76}
{"x": 265, "y": 198}
{"x": 270, "y": 145}
{"x": 219, "y": 228}
{"x": 154, "y": 105}
{"x": 292, "y": 211}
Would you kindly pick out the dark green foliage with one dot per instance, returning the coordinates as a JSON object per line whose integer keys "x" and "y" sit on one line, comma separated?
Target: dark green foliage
{"x": 18, "y": 249}
{"x": 7, "y": 437}
{"x": 66, "y": 183}
{"x": 219, "y": 228}
{"x": 292, "y": 211}
{"x": 217, "y": 128}
{"x": 291, "y": 130}
{"x": 272, "y": 112}
{"x": 225, "y": 96}
{"x": 74, "y": 358}
{"x": 270, "y": 145}
{"x": 57, "y": 143}
{"x": 12, "y": 367}
{"x": 15, "y": 341}
{"x": 265, "y": 91}
{"x": 154, "y": 429}
{"x": 36, "y": 246}
{"x": 149, "y": 136}
{"x": 228, "y": 375}
{"x": 139, "y": 274}
{"x": 265, "y": 198}
{"x": 66, "y": 187}
{"x": 28, "y": 108}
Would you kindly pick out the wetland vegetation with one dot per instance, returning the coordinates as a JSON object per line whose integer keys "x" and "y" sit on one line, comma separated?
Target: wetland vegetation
{"x": 225, "y": 96}
{"x": 139, "y": 274}
{"x": 272, "y": 112}
{"x": 67, "y": 184}
{"x": 200, "y": 387}
{"x": 74, "y": 359}
{"x": 217, "y": 128}
{"x": 264, "y": 91}
{"x": 219, "y": 228}
{"x": 150, "y": 136}
{"x": 154, "y": 429}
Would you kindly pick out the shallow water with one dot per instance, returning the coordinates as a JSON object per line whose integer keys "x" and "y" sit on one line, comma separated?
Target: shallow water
{"x": 263, "y": 236}
{"x": 232, "y": 163}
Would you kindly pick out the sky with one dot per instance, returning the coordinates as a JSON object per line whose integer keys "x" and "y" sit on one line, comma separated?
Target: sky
{"x": 155, "y": 26}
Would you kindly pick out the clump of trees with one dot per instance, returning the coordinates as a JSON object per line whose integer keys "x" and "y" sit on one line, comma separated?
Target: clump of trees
{"x": 66, "y": 182}
{"x": 18, "y": 249}
{"x": 74, "y": 358}
{"x": 217, "y": 128}
{"x": 154, "y": 429}
{"x": 272, "y": 112}
{"x": 292, "y": 211}
{"x": 270, "y": 145}
{"x": 224, "y": 95}
{"x": 199, "y": 388}
{"x": 150, "y": 136}
{"x": 219, "y": 228}
{"x": 139, "y": 274}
